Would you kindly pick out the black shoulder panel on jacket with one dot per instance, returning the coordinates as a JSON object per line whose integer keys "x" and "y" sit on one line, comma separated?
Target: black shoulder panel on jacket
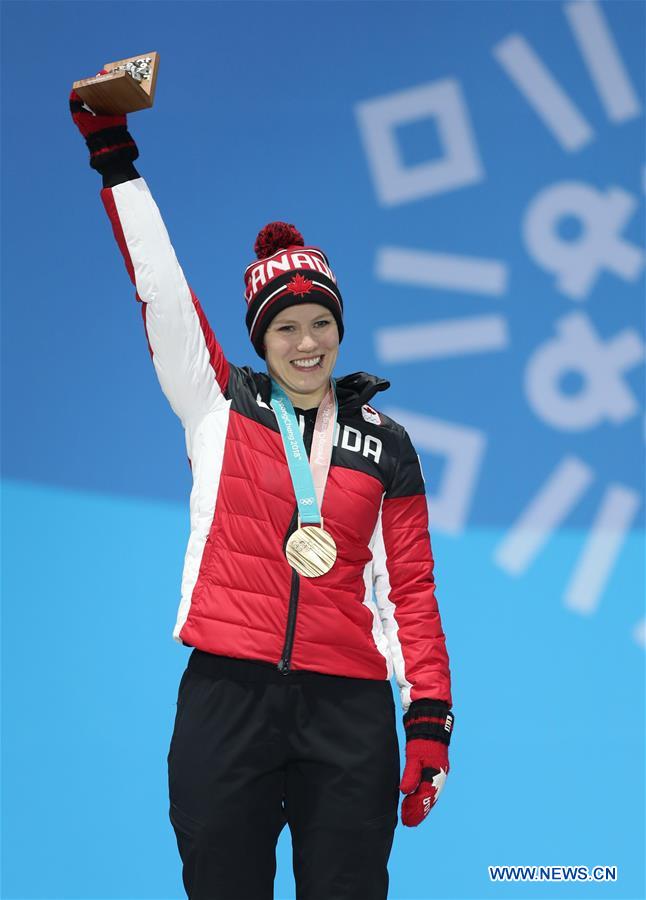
{"x": 249, "y": 396}
{"x": 408, "y": 478}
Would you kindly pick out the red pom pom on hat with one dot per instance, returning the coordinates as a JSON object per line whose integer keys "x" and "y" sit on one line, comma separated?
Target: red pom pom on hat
{"x": 277, "y": 236}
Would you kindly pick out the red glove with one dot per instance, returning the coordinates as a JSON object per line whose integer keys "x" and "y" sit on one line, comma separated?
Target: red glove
{"x": 107, "y": 137}
{"x": 428, "y": 725}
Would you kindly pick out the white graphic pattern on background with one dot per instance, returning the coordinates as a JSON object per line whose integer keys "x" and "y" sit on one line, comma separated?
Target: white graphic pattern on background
{"x": 602, "y": 362}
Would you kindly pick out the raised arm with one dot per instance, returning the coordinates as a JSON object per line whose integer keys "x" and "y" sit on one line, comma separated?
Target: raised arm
{"x": 190, "y": 363}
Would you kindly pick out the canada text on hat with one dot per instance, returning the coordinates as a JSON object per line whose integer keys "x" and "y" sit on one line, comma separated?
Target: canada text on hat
{"x": 259, "y": 273}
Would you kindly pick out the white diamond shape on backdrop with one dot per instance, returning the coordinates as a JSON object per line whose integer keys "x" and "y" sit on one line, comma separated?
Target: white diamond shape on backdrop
{"x": 396, "y": 182}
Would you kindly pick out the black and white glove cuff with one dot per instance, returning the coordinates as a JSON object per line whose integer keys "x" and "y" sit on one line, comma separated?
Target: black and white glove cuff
{"x": 429, "y": 719}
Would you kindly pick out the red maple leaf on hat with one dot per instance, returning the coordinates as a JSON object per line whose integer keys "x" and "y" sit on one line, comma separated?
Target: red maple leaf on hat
{"x": 300, "y": 285}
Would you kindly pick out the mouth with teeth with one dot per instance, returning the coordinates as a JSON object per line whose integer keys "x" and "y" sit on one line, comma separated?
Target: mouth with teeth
{"x": 308, "y": 363}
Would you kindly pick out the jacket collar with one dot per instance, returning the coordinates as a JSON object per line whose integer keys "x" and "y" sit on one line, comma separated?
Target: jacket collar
{"x": 352, "y": 391}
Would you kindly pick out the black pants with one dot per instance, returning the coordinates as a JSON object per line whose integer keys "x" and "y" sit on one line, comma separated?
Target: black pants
{"x": 253, "y": 750}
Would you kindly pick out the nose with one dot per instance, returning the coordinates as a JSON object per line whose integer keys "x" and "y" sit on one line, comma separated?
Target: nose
{"x": 307, "y": 342}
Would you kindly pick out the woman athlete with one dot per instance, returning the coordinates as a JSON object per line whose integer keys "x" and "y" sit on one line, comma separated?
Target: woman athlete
{"x": 308, "y": 577}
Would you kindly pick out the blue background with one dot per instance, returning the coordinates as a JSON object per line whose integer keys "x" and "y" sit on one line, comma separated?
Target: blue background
{"x": 255, "y": 120}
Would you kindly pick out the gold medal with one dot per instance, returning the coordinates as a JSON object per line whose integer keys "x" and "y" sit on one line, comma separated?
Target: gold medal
{"x": 311, "y": 550}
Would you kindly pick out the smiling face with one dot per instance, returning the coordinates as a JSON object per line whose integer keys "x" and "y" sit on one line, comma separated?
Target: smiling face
{"x": 302, "y": 333}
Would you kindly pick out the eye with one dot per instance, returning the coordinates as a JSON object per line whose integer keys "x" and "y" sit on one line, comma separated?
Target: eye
{"x": 284, "y": 327}
{"x": 323, "y": 322}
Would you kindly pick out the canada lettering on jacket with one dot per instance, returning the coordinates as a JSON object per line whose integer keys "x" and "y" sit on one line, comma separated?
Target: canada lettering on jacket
{"x": 352, "y": 439}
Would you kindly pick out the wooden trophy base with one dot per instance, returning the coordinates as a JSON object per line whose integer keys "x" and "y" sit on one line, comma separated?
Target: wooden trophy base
{"x": 118, "y": 92}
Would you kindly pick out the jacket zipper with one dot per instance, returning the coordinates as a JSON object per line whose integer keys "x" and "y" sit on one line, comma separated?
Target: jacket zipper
{"x": 283, "y": 665}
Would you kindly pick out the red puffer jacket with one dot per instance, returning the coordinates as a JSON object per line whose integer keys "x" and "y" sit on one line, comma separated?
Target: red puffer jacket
{"x": 240, "y": 596}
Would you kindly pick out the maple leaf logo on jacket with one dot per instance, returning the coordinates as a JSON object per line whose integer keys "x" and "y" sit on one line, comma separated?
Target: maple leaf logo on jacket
{"x": 300, "y": 285}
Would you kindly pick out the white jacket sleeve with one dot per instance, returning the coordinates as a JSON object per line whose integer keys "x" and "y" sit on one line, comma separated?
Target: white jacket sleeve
{"x": 191, "y": 366}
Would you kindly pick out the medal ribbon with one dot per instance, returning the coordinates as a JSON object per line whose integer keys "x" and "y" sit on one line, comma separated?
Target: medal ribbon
{"x": 309, "y": 477}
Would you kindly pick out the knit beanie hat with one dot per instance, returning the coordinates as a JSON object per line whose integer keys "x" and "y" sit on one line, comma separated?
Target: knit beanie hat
{"x": 286, "y": 273}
